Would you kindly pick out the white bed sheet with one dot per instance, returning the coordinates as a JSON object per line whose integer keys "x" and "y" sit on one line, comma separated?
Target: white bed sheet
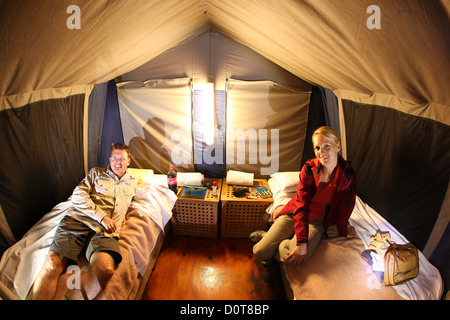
{"x": 428, "y": 285}
{"x": 21, "y": 263}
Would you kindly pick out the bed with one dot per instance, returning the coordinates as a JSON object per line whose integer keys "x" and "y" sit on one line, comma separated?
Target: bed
{"x": 140, "y": 241}
{"x": 337, "y": 269}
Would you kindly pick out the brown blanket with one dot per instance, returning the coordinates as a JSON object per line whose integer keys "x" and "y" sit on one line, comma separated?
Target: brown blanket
{"x": 337, "y": 271}
{"x": 139, "y": 240}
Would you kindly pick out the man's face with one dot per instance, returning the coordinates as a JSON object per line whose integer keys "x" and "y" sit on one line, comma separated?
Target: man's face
{"x": 119, "y": 162}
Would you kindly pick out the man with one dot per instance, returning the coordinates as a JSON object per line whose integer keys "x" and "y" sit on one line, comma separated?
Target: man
{"x": 99, "y": 205}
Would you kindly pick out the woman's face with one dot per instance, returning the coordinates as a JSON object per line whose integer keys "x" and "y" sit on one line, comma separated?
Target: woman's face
{"x": 326, "y": 150}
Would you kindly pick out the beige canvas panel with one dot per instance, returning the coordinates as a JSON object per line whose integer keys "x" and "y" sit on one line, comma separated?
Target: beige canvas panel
{"x": 281, "y": 112}
{"x": 324, "y": 42}
{"x": 39, "y": 50}
{"x": 157, "y": 138}
{"x": 328, "y": 43}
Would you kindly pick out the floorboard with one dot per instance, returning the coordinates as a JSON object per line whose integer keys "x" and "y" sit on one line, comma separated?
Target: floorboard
{"x": 190, "y": 268}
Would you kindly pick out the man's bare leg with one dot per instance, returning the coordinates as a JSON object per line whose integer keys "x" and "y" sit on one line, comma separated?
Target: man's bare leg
{"x": 92, "y": 282}
{"x": 45, "y": 285}
{"x": 62, "y": 286}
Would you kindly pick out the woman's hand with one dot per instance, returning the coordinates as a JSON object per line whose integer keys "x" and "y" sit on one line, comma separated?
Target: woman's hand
{"x": 351, "y": 232}
{"x": 108, "y": 224}
{"x": 298, "y": 255}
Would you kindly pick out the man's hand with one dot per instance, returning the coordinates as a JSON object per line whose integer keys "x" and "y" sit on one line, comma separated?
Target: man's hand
{"x": 108, "y": 224}
{"x": 298, "y": 255}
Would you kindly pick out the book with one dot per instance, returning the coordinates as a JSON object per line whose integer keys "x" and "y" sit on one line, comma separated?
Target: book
{"x": 193, "y": 192}
{"x": 263, "y": 192}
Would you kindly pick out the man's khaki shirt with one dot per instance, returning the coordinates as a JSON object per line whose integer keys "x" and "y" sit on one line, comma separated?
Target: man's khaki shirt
{"x": 101, "y": 193}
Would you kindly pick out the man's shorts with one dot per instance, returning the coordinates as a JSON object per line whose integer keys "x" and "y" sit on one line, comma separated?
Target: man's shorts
{"x": 73, "y": 236}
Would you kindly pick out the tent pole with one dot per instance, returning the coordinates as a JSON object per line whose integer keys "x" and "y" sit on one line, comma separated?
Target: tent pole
{"x": 439, "y": 227}
{"x": 6, "y": 293}
{"x": 342, "y": 128}
{"x": 86, "y": 128}
{"x": 4, "y": 226}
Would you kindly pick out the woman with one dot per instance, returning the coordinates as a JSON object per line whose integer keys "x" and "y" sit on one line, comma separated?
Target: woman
{"x": 325, "y": 196}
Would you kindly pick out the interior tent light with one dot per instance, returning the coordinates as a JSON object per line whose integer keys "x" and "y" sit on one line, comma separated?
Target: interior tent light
{"x": 206, "y": 105}
{"x": 208, "y": 109}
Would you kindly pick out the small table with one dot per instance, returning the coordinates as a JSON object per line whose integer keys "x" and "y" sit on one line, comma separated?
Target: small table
{"x": 197, "y": 217}
{"x": 242, "y": 216}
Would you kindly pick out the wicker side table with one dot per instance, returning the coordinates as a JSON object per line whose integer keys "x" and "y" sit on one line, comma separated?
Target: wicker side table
{"x": 241, "y": 216}
{"x": 197, "y": 217}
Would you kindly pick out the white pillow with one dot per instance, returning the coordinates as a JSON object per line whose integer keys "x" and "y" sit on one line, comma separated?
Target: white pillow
{"x": 288, "y": 180}
{"x": 144, "y": 175}
{"x": 159, "y": 179}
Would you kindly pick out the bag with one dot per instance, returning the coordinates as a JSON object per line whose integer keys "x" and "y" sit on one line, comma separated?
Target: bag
{"x": 380, "y": 242}
{"x": 401, "y": 263}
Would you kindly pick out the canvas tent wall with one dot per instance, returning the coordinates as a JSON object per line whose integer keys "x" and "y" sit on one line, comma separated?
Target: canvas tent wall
{"x": 390, "y": 85}
{"x": 272, "y": 106}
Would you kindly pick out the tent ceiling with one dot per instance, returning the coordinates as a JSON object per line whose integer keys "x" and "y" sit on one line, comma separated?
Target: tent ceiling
{"x": 39, "y": 51}
{"x": 323, "y": 42}
{"x": 328, "y": 43}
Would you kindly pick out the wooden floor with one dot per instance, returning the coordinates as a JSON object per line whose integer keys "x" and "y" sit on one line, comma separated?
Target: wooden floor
{"x": 190, "y": 268}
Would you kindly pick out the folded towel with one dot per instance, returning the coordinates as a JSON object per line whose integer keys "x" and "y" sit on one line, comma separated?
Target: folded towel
{"x": 189, "y": 179}
{"x": 240, "y": 178}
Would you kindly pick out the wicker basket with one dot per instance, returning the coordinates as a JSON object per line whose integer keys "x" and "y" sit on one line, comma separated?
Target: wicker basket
{"x": 241, "y": 216}
{"x": 197, "y": 217}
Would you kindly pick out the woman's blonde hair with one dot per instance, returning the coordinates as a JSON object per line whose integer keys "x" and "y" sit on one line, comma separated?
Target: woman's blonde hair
{"x": 328, "y": 132}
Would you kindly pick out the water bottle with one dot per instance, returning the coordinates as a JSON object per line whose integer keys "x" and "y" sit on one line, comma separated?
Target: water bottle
{"x": 172, "y": 179}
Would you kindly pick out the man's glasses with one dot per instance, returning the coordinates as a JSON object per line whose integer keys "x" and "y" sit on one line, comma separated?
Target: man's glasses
{"x": 121, "y": 159}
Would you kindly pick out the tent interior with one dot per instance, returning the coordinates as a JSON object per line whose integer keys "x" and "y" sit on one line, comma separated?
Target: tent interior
{"x": 77, "y": 78}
